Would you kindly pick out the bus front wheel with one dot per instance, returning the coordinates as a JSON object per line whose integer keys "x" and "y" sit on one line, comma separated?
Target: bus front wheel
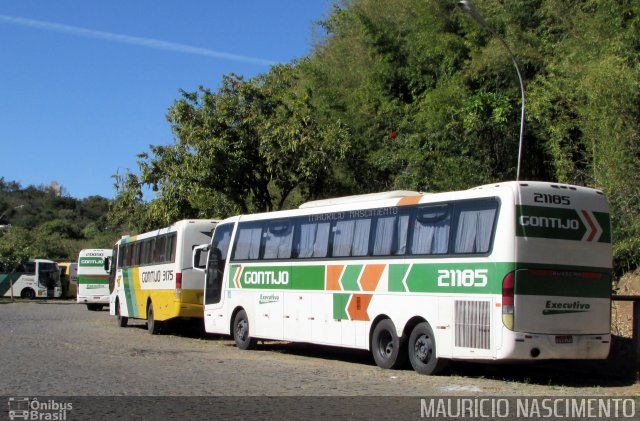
{"x": 120, "y": 319}
{"x": 241, "y": 331}
{"x": 422, "y": 350}
{"x": 386, "y": 346}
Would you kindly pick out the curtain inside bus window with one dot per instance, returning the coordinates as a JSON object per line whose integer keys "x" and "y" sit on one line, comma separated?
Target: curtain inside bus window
{"x": 360, "y": 246}
{"x": 343, "y": 238}
{"x": 384, "y": 236}
{"x": 475, "y": 224}
{"x": 431, "y": 231}
{"x": 314, "y": 240}
{"x": 248, "y": 243}
{"x": 278, "y": 241}
{"x": 351, "y": 238}
{"x": 171, "y": 247}
{"x": 391, "y": 236}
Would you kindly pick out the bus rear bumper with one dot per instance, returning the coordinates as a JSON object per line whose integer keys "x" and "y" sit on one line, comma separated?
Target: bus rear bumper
{"x": 93, "y": 299}
{"x": 532, "y": 346}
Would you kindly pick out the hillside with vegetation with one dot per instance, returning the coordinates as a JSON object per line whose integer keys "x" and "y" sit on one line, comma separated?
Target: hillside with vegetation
{"x": 408, "y": 94}
{"x": 413, "y": 94}
{"x": 41, "y": 222}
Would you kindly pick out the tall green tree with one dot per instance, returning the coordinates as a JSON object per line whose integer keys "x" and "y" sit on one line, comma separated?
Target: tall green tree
{"x": 253, "y": 145}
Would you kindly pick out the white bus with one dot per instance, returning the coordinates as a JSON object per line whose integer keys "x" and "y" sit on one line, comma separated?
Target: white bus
{"x": 93, "y": 282}
{"x": 151, "y": 277}
{"x": 511, "y": 271}
{"x": 37, "y": 279}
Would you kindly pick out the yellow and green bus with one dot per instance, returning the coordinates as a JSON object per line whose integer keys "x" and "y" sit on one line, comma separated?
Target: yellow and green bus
{"x": 151, "y": 277}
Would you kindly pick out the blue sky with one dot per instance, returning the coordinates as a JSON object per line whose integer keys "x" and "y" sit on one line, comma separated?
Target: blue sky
{"x": 85, "y": 85}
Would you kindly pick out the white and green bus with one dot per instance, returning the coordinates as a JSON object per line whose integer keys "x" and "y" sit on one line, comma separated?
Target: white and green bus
{"x": 151, "y": 277}
{"x": 93, "y": 282}
{"x": 511, "y": 271}
{"x": 39, "y": 278}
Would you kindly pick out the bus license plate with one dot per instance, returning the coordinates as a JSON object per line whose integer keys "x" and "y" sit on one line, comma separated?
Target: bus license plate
{"x": 564, "y": 339}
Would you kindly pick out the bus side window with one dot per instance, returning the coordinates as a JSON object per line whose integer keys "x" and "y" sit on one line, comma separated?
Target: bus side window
{"x": 171, "y": 247}
{"x": 30, "y": 268}
{"x": 431, "y": 230}
{"x": 314, "y": 239}
{"x": 474, "y": 226}
{"x": 247, "y": 244}
{"x": 278, "y": 240}
{"x": 351, "y": 237}
{"x": 160, "y": 249}
{"x": 390, "y": 237}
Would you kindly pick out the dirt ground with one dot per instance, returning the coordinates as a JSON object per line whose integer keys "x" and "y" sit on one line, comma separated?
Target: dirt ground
{"x": 622, "y": 311}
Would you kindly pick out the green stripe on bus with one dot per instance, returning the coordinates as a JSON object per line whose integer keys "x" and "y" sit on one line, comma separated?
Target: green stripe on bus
{"x": 280, "y": 277}
{"x": 605, "y": 223}
{"x": 6, "y": 279}
{"x": 340, "y": 302}
{"x": 396, "y": 275}
{"x": 562, "y": 284}
{"x": 93, "y": 280}
{"x": 547, "y": 222}
{"x": 466, "y": 278}
{"x": 94, "y": 262}
{"x": 232, "y": 274}
{"x": 307, "y": 278}
{"x": 349, "y": 278}
{"x": 129, "y": 293}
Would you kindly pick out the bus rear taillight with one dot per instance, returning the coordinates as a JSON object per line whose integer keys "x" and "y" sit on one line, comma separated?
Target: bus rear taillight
{"x": 508, "y": 284}
{"x": 178, "y": 280}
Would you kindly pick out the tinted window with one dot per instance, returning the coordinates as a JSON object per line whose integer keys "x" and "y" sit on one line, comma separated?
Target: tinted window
{"x": 475, "y": 221}
{"x": 247, "y": 244}
{"x": 314, "y": 239}
{"x": 351, "y": 237}
{"x": 278, "y": 239}
{"x": 431, "y": 230}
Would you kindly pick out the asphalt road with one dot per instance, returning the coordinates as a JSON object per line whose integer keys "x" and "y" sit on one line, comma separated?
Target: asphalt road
{"x": 53, "y": 348}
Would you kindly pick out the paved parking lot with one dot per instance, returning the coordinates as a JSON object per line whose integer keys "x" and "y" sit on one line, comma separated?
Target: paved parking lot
{"x": 60, "y": 349}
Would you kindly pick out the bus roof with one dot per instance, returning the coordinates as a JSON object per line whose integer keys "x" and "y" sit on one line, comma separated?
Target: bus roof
{"x": 359, "y": 198}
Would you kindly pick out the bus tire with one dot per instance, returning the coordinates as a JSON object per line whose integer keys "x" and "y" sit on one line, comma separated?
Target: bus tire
{"x": 120, "y": 319}
{"x": 153, "y": 326}
{"x": 422, "y": 350}
{"x": 28, "y": 294}
{"x": 241, "y": 331}
{"x": 386, "y": 346}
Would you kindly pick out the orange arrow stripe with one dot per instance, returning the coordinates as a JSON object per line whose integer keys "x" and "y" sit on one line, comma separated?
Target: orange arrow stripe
{"x": 333, "y": 277}
{"x": 358, "y": 306}
{"x": 371, "y": 277}
{"x": 237, "y": 279}
{"x": 409, "y": 200}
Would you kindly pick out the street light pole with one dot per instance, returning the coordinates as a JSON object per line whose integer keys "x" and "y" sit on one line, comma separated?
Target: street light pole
{"x": 467, "y": 7}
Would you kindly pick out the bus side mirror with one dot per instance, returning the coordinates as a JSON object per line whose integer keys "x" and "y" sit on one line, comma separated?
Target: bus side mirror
{"x": 198, "y": 263}
{"x": 107, "y": 264}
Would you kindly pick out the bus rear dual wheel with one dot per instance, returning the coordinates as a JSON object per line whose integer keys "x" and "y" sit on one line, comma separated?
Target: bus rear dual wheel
{"x": 154, "y": 327}
{"x": 28, "y": 294}
{"x": 391, "y": 351}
